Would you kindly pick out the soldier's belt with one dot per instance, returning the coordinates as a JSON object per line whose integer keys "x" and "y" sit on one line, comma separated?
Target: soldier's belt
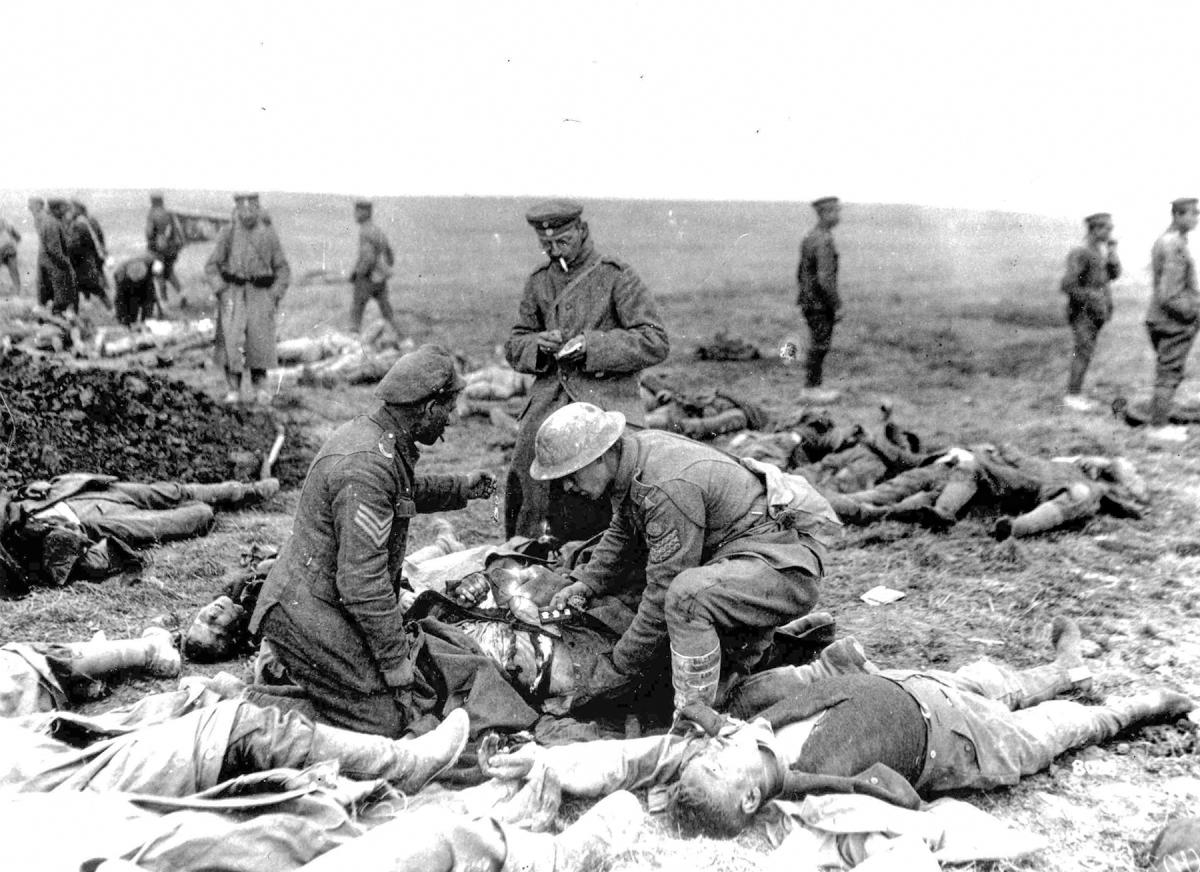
{"x": 256, "y": 281}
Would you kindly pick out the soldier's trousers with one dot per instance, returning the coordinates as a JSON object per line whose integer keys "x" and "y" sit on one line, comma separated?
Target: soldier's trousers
{"x": 139, "y": 514}
{"x": 364, "y": 291}
{"x": 1085, "y": 322}
{"x": 246, "y": 328}
{"x": 735, "y": 603}
{"x": 1172, "y": 343}
{"x": 820, "y": 321}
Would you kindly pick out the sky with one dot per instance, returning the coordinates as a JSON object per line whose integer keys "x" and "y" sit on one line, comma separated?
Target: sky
{"x": 1054, "y": 107}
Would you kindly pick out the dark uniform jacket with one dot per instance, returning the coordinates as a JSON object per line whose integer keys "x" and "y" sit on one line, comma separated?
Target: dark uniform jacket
{"x": 678, "y": 504}
{"x": 375, "y": 256}
{"x": 603, "y": 299}
{"x": 164, "y": 234}
{"x": 338, "y": 576}
{"x": 1086, "y": 282}
{"x": 817, "y": 274}
{"x": 1175, "y": 299}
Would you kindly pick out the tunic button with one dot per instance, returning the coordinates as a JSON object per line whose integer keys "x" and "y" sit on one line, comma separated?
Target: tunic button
{"x": 932, "y": 755}
{"x": 874, "y": 780}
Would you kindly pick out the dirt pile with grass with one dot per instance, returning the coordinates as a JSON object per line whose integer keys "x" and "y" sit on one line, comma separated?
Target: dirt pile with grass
{"x": 56, "y": 417}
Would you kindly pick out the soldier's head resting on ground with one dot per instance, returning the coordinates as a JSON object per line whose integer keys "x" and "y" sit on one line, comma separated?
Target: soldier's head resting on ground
{"x": 722, "y": 788}
{"x": 215, "y": 632}
{"x": 580, "y": 444}
{"x": 560, "y": 229}
{"x": 829, "y": 211}
{"x": 422, "y": 388}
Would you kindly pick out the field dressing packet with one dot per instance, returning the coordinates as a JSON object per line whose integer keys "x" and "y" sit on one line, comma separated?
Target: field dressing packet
{"x": 795, "y": 503}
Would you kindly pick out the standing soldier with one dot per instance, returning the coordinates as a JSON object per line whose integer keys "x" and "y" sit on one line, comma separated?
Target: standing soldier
{"x": 9, "y": 237}
{"x": 1090, "y": 268}
{"x": 250, "y": 275}
{"x": 56, "y": 276}
{"x": 586, "y": 327}
{"x": 85, "y": 247}
{"x": 165, "y": 239}
{"x": 817, "y": 276}
{"x": 371, "y": 270}
{"x": 1171, "y": 319}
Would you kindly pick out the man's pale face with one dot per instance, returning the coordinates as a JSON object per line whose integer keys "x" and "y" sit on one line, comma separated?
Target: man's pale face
{"x": 361, "y": 215}
{"x": 831, "y": 216}
{"x": 592, "y": 481}
{"x": 1188, "y": 219}
{"x": 248, "y": 213}
{"x": 1102, "y": 231}
{"x": 565, "y": 243}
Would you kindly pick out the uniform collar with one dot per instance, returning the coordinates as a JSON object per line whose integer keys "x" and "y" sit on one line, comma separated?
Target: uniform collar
{"x": 626, "y": 467}
{"x": 392, "y": 424}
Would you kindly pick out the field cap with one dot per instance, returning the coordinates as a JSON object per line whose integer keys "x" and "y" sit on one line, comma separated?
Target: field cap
{"x": 246, "y": 196}
{"x": 420, "y": 375}
{"x": 822, "y": 202}
{"x": 550, "y": 215}
{"x": 1096, "y": 218}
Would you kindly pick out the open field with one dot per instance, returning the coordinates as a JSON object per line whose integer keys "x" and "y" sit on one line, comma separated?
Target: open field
{"x": 954, "y": 316}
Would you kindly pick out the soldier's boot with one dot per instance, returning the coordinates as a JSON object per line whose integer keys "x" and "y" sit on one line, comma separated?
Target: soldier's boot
{"x": 912, "y": 509}
{"x": 1156, "y": 706}
{"x": 409, "y": 764}
{"x": 233, "y": 494}
{"x": 1066, "y": 673}
{"x": 695, "y": 676}
{"x": 953, "y": 498}
{"x": 234, "y": 381}
{"x": 154, "y": 654}
{"x": 728, "y": 421}
{"x": 763, "y": 689}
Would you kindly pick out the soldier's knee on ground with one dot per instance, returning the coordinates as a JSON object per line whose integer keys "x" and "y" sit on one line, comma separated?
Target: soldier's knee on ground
{"x": 684, "y": 601}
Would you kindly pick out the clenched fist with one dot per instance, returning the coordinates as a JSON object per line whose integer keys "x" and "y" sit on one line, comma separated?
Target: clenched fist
{"x": 481, "y": 484}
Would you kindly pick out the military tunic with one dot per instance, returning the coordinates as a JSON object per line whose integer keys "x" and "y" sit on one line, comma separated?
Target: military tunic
{"x": 817, "y": 296}
{"x": 330, "y": 604}
{"x": 251, "y": 273}
{"x": 1171, "y": 319}
{"x": 1089, "y": 303}
{"x": 55, "y": 275}
{"x": 715, "y": 563}
{"x": 604, "y": 300}
{"x": 164, "y": 237}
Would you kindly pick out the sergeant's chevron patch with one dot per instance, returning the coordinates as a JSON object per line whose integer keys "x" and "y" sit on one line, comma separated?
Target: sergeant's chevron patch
{"x": 377, "y": 525}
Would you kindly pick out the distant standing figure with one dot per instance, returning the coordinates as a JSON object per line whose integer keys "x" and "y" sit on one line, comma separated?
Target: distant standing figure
{"x": 1171, "y": 319}
{"x": 586, "y": 326}
{"x": 165, "y": 239}
{"x": 134, "y": 288}
{"x": 9, "y": 237}
{"x": 250, "y": 275}
{"x": 371, "y": 270}
{"x": 56, "y": 276}
{"x": 817, "y": 277}
{"x": 85, "y": 247}
{"x": 1090, "y": 268}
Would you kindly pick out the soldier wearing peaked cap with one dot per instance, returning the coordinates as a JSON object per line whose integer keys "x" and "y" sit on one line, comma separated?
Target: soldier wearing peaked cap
{"x": 165, "y": 240}
{"x": 817, "y": 277}
{"x": 371, "y": 270}
{"x": 330, "y": 607}
{"x": 586, "y": 326}
{"x": 1090, "y": 269}
{"x": 1172, "y": 318}
{"x": 250, "y": 275}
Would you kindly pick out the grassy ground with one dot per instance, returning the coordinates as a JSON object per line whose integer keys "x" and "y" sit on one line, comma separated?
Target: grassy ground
{"x": 954, "y": 316}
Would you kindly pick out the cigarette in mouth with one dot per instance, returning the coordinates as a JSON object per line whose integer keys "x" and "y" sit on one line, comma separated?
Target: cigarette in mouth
{"x": 563, "y": 263}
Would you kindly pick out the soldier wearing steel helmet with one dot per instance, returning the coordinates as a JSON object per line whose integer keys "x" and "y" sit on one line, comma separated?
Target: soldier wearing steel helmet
{"x": 586, "y": 326}
{"x": 330, "y": 607}
{"x": 721, "y": 573}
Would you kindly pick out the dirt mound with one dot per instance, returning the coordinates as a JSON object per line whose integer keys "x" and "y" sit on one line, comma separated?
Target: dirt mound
{"x": 55, "y": 418}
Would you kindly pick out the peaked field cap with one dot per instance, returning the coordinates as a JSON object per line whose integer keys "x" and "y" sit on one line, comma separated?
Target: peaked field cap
{"x": 156, "y": 196}
{"x": 245, "y": 195}
{"x": 1097, "y": 217}
{"x": 552, "y": 214}
{"x": 363, "y": 203}
{"x": 419, "y": 375}
{"x": 1182, "y": 203}
{"x": 822, "y": 202}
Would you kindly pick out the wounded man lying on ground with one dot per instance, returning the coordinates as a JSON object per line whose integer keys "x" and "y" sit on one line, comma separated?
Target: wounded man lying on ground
{"x": 186, "y": 781}
{"x": 84, "y": 525}
{"x": 896, "y": 735}
{"x": 1033, "y": 494}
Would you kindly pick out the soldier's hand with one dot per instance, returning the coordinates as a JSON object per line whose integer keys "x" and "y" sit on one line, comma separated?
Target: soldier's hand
{"x": 550, "y": 341}
{"x": 473, "y": 589}
{"x": 576, "y": 349}
{"x": 574, "y": 594}
{"x": 481, "y": 484}
{"x": 495, "y": 763}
